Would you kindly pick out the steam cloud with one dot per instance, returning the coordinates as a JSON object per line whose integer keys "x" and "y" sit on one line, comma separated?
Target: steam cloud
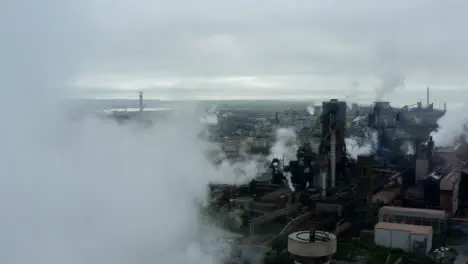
{"x": 452, "y": 127}
{"x": 310, "y": 110}
{"x": 285, "y": 146}
{"x": 408, "y": 148}
{"x": 366, "y": 145}
{"x": 210, "y": 119}
{"x": 92, "y": 191}
{"x": 97, "y": 192}
{"x": 285, "y": 149}
{"x": 389, "y": 82}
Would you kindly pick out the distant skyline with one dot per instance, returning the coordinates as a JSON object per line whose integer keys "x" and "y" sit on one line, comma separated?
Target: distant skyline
{"x": 401, "y": 96}
{"x": 243, "y": 49}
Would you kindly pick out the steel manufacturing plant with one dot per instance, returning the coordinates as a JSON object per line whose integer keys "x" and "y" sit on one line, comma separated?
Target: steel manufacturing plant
{"x": 344, "y": 184}
{"x": 364, "y": 185}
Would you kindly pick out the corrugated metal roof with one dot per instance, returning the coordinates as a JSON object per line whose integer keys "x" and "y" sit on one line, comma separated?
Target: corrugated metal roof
{"x": 450, "y": 180}
{"x": 395, "y": 210}
{"x": 413, "y": 229}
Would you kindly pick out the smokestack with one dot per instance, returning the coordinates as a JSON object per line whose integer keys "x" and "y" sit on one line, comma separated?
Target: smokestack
{"x": 427, "y": 95}
{"x": 323, "y": 179}
{"x": 332, "y": 159}
{"x": 445, "y": 107}
{"x": 141, "y": 101}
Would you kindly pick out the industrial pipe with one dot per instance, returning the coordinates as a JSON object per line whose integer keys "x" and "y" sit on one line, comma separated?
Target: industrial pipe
{"x": 332, "y": 159}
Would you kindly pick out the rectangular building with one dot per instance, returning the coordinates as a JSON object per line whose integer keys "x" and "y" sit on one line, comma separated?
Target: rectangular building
{"x": 449, "y": 192}
{"x": 410, "y": 238}
{"x": 414, "y": 216}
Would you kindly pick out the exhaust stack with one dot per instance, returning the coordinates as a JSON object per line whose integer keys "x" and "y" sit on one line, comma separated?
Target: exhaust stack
{"x": 141, "y": 101}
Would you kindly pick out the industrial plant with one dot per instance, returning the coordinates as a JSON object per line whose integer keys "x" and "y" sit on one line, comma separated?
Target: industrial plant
{"x": 365, "y": 184}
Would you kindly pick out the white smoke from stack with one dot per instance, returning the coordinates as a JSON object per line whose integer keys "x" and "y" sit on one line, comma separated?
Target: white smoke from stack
{"x": 452, "y": 127}
{"x": 366, "y": 145}
{"x": 310, "y": 110}
{"x": 285, "y": 149}
{"x": 358, "y": 119}
{"x": 285, "y": 146}
{"x": 389, "y": 82}
{"x": 239, "y": 171}
{"x": 408, "y": 148}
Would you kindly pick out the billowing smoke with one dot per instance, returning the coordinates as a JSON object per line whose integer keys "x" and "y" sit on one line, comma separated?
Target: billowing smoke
{"x": 285, "y": 149}
{"x": 92, "y": 191}
{"x": 211, "y": 116}
{"x": 241, "y": 171}
{"x": 97, "y": 192}
{"x": 210, "y": 119}
{"x": 310, "y": 110}
{"x": 285, "y": 146}
{"x": 366, "y": 145}
{"x": 452, "y": 127}
{"x": 389, "y": 82}
{"x": 408, "y": 148}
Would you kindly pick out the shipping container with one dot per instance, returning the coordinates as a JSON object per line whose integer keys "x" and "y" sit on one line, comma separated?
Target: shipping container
{"x": 402, "y": 236}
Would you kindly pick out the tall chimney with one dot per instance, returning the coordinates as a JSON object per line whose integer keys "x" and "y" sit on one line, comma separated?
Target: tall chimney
{"x": 445, "y": 107}
{"x": 427, "y": 95}
{"x": 141, "y": 101}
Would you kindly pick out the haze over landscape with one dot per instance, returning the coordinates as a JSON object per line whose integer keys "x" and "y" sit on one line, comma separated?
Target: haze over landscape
{"x": 94, "y": 192}
{"x": 194, "y": 49}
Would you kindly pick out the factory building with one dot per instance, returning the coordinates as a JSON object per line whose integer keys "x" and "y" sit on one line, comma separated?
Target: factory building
{"x": 410, "y": 238}
{"x": 415, "y": 216}
{"x": 449, "y": 192}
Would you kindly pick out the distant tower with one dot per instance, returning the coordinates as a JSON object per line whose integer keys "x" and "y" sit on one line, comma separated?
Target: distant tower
{"x": 141, "y": 101}
{"x": 427, "y": 95}
{"x": 332, "y": 144}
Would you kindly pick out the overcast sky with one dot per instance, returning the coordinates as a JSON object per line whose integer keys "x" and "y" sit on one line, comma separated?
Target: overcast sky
{"x": 233, "y": 49}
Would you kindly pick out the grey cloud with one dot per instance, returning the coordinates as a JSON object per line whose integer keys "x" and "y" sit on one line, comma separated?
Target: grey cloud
{"x": 423, "y": 40}
{"x": 278, "y": 37}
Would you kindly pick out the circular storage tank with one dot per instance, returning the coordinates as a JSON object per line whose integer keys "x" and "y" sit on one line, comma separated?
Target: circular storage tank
{"x": 312, "y": 247}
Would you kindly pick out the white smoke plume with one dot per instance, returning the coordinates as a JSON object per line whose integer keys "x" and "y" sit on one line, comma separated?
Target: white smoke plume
{"x": 96, "y": 192}
{"x": 210, "y": 119}
{"x": 285, "y": 149}
{"x": 389, "y": 82}
{"x": 408, "y": 148}
{"x": 366, "y": 145}
{"x": 452, "y": 127}
{"x": 91, "y": 191}
{"x": 310, "y": 110}
{"x": 285, "y": 146}
{"x": 211, "y": 116}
